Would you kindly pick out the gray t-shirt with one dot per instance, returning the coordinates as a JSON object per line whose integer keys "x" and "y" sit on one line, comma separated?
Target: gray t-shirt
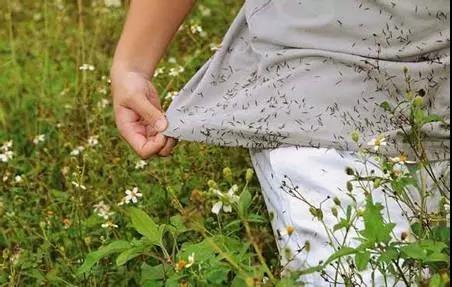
{"x": 310, "y": 72}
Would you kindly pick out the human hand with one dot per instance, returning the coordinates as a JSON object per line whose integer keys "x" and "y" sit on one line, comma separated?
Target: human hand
{"x": 138, "y": 114}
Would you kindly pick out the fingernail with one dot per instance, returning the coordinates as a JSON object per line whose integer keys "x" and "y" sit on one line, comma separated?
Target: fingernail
{"x": 160, "y": 124}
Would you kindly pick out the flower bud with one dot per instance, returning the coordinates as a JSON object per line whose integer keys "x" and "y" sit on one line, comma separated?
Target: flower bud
{"x": 349, "y": 186}
{"x": 349, "y": 171}
{"x": 249, "y": 175}
{"x": 419, "y": 101}
{"x": 355, "y": 136}
{"x": 227, "y": 173}
{"x": 212, "y": 184}
{"x": 334, "y": 211}
{"x": 337, "y": 201}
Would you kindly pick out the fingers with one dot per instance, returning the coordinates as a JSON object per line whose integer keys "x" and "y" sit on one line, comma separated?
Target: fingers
{"x": 134, "y": 132}
{"x": 151, "y": 114}
{"x": 168, "y": 148}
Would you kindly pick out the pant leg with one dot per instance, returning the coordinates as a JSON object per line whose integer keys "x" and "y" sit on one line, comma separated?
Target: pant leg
{"x": 319, "y": 176}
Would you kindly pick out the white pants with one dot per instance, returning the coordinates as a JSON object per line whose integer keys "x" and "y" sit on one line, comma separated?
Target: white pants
{"x": 320, "y": 177}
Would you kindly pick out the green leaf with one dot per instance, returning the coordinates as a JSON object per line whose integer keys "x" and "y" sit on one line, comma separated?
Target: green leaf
{"x": 178, "y": 223}
{"x": 93, "y": 257}
{"x": 437, "y": 257}
{"x": 345, "y": 251}
{"x": 129, "y": 254}
{"x": 414, "y": 251}
{"x": 152, "y": 273}
{"x": 389, "y": 255}
{"x": 145, "y": 225}
{"x": 435, "y": 281}
{"x": 362, "y": 260}
{"x": 244, "y": 202}
{"x": 375, "y": 229}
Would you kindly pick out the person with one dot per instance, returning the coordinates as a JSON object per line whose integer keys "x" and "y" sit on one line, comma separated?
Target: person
{"x": 291, "y": 82}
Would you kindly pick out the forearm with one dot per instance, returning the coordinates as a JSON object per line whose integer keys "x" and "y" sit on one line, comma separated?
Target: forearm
{"x": 150, "y": 26}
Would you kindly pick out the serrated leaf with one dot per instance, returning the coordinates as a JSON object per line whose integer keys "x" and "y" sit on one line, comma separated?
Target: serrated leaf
{"x": 375, "y": 229}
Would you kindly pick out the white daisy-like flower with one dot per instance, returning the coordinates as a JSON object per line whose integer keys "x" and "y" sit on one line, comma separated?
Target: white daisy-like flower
{"x": 102, "y": 104}
{"x": 93, "y": 141}
{"x": 176, "y": 71}
{"x": 214, "y": 47}
{"x": 402, "y": 159}
{"x": 39, "y": 139}
{"x": 171, "y": 95}
{"x": 103, "y": 90}
{"x": 377, "y": 143}
{"x": 226, "y": 200}
{"x": 191, "y": 260}
{"x": 78, "y": 185}
{"x": 6, "y": 156}
{"x": 87, "y": 67}
{"x": 7, "y": 145}
{"x": 18, "y": 179}
{"x": 109, "y": 224}
{"x": 158, "y": 72}
{"x": 205, "y": 11}
{"x": 77, "y": 151}
{"x": 400, "y": 170}
{"x": 195, "y": 28}
{"x": 132, "y": 196}
{"x": 288, "y": 231}
{"x": 103, "y": 210}
{"x": 140, "y": 164}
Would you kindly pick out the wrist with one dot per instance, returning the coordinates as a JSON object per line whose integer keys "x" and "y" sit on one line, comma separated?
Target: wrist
{"x": 144, "y": 67}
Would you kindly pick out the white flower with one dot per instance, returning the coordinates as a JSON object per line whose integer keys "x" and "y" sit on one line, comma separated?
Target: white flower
{"x": 171, "y": 95}
{"x": 6, "y": 156}
{"x": 18, "y": 179}
{"x": 77, "y": 151}
{"x": 93, "y": 141}
{"x": 158, "y": 72}
{"x": 174, "y": 72}
{"x": 195, "y": 28}
{"x": 206, "y": 12}
{"x": 78, "y": 185}
{"x": 226, "y": 200}
{"x": 109, "y": 224}
{"x": 87, "y": 67}
{"x": 7, "y": 146}
{"x": 191, "y": 260}
{"x": 402, "y": 159}
{"x": 214, "y": 47}
{"x": 378, "y": 142}
{"x": 132, "y": 196}
{"x": 103, "y": 210}
{"x": 400, "y": 170}
{"x": 112, "y": 3}
{"x": 288, "y": 231}
{"x": 39, "y": 139}
{"x": 103, "y": 91}
{"x": 102, "y": 104}
{"x": 141, "y": 164}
